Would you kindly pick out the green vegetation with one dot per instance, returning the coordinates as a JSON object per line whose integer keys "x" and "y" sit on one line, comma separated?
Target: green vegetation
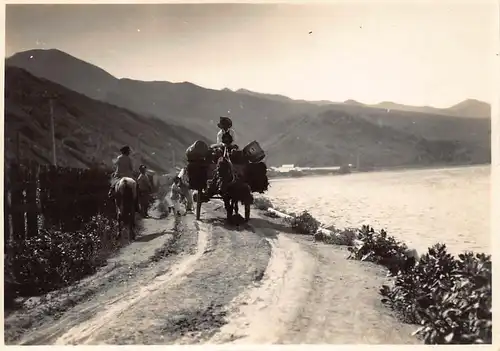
{"x": 449, "y": 297}
{"x": 262, "y": 203}
{"x": 56, "y": 259}
{"x": 304, "y": 223}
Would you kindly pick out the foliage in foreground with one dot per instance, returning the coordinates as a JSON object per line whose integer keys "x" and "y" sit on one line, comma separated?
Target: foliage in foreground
{"x": 303, "y": 223}
{"x": 262, "y": 203}
{"x": 344, "y": 237}
{"x": 449, "y": 297}
{"x": 55, "y": 259}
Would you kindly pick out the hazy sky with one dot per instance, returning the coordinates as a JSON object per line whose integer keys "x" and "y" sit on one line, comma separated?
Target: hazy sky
{"x": 419, "y": 54}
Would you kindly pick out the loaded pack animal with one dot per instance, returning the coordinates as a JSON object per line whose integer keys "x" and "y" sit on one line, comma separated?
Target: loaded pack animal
{"x": 232, "y": 188}
{"x": 125, "y": 196}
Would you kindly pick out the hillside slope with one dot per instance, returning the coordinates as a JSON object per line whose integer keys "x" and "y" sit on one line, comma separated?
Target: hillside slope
{"x": 262, "y": 117}
{"x": 336, "y": 137}
{"x": 185, "y": 104}
{"x": 470, "y": 108}
{"x": 86, "y": 130}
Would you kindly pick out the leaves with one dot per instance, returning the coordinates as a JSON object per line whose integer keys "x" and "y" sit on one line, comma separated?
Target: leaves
{"x": 304, "y": 223}
{"x": 449, "y": 297}
{"x": 55, "y": 259}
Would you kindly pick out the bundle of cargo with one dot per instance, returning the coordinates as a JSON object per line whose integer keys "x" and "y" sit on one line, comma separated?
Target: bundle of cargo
{"x": 247, "y": 162}
{"x": 197, "y": 168}
{"x": 256, "y": 170}
{"x": 197, "y": 152}
{"x": 254, "y": 152}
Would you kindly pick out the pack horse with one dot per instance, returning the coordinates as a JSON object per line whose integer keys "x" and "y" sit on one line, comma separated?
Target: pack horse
{"x": 125, "y": 201}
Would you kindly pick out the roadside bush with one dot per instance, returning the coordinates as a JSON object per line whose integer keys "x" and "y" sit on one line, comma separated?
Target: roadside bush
{"x": 55, "y": 259}
{"x": 449, "y": 297}
{"x": 262, "y": 203}
{"x": 304, "y": 223}
{"x": 345, "y": 237}
{"x": 382, "y": 249}
{"x": 295, "y": 173}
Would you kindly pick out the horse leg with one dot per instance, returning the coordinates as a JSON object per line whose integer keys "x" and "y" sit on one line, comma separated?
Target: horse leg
{"x": 132, "y": 225}
{"x": 119, "y": 220}
{"x": 235, "y": 207}
{"x": 227, "y": 205}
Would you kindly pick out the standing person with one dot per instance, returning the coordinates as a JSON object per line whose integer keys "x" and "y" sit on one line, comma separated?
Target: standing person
{"x": 145, "y": 189}
{"x": 175, "y": 195}
{"x": 184, "y": 185}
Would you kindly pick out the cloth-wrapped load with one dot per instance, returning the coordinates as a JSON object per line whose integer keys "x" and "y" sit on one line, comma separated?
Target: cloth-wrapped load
{"x": 197, "y": 175}
{"x": 238, "y": 157}
{"x": 256, "y": 177}
{"x": 198, "y": 151}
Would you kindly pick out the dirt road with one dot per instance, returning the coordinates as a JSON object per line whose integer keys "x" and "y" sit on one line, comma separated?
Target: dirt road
{"x": 188, "y": 282}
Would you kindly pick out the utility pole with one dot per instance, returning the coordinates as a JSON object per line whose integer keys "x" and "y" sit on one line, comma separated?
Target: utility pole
{"x": 54, "y": 156}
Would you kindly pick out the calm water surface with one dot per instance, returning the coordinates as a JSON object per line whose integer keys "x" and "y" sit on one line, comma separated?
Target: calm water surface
{"x": 419, "y": 207}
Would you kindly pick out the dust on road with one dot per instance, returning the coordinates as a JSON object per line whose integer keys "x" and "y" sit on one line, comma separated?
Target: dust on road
{"x": 185, "y": 281}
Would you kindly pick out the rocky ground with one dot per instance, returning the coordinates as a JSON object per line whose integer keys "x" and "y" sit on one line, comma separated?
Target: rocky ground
{"x": 186, "y": 281}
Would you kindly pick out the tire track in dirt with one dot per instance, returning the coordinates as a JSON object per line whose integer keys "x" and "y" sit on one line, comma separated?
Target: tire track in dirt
{"x": 191, "y": 309}
{"x": 84, "y": 332}
{"x": 262, "y": 314}
{"x": 312, "y": 294}
{"x": 156, "y": 250}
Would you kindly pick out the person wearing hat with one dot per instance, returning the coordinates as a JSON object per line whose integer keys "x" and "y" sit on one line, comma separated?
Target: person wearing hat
{"x": 123, "y": 167}
{"x": 145, "y": 189}
{"x": 225, "y": 124}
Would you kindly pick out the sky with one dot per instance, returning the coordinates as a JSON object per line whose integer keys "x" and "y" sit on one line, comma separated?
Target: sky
{"x": 427, "y": 53}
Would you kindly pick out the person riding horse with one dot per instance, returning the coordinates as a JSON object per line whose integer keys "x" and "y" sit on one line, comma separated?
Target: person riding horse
{"x": 124, "y": 168}
{"x": 225, "y": 124}
{"x": 225, "y": 145}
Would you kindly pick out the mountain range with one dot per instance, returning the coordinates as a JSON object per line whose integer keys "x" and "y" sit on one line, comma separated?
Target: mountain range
{"x": 171, "y": 116}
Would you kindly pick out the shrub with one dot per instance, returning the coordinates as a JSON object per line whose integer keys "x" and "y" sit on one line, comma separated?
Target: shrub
{"x": 304, "y": 223}
{"x": 381, "y": 249}
{"x": 295, "y": 173}
{"x": 262, "y": 203}
{"x": 345, "y": 237}
{"x": 449, "y": 297}
{"x": 55, "y": 259}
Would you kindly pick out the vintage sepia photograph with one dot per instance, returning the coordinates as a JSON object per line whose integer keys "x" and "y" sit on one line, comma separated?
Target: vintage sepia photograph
{"x": 252, "y": 173}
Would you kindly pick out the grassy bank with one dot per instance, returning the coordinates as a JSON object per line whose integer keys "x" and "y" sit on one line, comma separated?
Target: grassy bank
{"x": 449, "y": 297}
{"x": 54, "y": 259}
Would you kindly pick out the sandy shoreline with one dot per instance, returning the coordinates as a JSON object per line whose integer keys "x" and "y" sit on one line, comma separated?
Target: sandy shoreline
{"x": 323, "y": 173}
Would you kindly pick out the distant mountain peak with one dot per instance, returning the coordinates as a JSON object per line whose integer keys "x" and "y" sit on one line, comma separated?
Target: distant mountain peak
{"x": 470, "y": 102}
{"x": 53, "y": 57}
{"x": 352, "y": 102}
{"x": 471, "y": 108}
